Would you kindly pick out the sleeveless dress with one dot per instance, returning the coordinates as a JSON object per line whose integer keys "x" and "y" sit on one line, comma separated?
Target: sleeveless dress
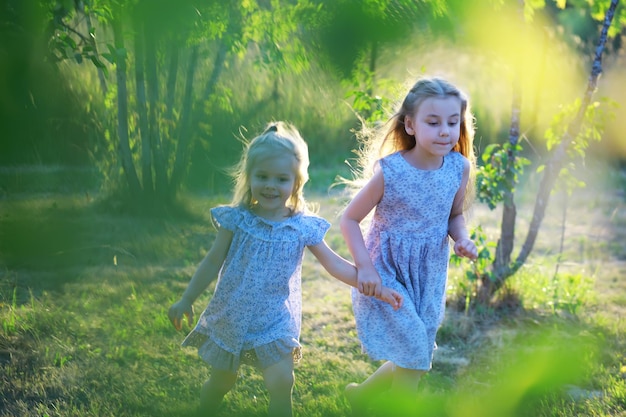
{"x": 255, "y": 313}
{"x": 408, "y": 243}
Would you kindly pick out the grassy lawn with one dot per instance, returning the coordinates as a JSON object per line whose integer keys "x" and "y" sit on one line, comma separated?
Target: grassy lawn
{"x": 84, "y": 290}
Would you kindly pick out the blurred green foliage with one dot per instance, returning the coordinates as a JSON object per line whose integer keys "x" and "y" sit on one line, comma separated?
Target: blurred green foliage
{"x": 293, "y": 60}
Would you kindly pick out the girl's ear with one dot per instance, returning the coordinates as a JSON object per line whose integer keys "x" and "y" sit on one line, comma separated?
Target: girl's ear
{"x": 408, "y": 125}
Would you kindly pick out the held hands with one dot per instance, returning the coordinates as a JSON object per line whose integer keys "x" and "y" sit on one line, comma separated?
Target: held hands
{"x": 391, "y": 297}
{"x": 466, "y": 247}
{"x": 179, "y": 309}
{"x": 369, "y": 282}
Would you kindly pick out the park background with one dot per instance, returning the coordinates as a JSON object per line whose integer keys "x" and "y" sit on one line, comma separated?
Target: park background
{"x": 119, "y": 119}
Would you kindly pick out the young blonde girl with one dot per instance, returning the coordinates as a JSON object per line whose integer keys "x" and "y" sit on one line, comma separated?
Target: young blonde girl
{"x": 255, "y": 313}
{"x": 418, "y": 188}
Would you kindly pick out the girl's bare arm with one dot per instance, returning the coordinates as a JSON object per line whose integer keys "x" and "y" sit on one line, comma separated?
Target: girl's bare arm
{"x": 369, "y": 282}
{"x": 457, "y": 229}
{"x": 206, "y": 273}
{"x": 346, "y": 272}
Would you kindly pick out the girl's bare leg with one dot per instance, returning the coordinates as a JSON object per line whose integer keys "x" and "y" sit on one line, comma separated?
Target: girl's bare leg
{"x": 359, "y": 395}
{"x": 279, "y": 380}
{"x": 214, "y": 389}
{"x": 403, "y": 390}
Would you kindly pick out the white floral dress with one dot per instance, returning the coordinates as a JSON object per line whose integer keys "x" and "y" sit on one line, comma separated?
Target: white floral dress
{"x": 408, "y": 243}
{"x": 255, "y": 313}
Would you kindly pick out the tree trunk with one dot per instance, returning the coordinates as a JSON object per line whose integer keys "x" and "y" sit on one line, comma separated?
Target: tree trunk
{"x": 218, "y": 67}
{"x": 558, "y": 158}
{"x": 184, "y": 133}
{"x": 553, "y": 167}
{"x": 172, "y": 75}
{"x": 160, "y": 171}
{"x": 122, "y": 110}
{"x": 142, "y": 110}
{"x": 509, "y": 210}
{"x": 506, "y": 242}
{"x": 184, "y": 130}
{"x": 170, "y": 96}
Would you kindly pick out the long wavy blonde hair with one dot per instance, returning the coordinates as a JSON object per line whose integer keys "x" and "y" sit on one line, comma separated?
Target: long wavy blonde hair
{"x": 385, "y": 139}
{"x": 277, "y": 137}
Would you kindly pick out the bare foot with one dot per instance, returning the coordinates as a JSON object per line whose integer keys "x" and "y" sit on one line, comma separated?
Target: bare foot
{"x": 357, "y": 402}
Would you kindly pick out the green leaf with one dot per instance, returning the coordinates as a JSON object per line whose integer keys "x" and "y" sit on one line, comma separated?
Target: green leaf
{"x": 69, "y": 41}
{"x": 99, "y": 64}
{"x": 109, "y": 57}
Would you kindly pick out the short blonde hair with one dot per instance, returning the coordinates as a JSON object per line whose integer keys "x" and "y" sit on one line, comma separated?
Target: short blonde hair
{"x": 277, "y": 137}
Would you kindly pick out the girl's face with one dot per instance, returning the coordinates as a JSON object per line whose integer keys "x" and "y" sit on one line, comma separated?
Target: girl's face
{"x": 436, "y": 125}
{"x": 272, "y": 180}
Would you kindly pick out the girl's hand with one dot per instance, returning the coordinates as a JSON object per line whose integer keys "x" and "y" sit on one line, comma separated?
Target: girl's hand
{"x": 466, "y": 247}
{"x": 369, "y": 282}
{"x": 391, "y": 297}
{"x": 179, "y": 309}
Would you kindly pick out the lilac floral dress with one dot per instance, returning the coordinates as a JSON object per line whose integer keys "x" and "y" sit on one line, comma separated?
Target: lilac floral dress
{"x": 408, "y": 243}
{"x": 255, "y": 313}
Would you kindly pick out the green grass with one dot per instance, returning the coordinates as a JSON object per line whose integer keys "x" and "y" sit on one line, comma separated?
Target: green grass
{"x": 84, "y": 290}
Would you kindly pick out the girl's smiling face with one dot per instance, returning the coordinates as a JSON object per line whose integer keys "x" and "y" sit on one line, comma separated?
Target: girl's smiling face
{"x": 272, "y": 181}
{"x": 436, "y": 125}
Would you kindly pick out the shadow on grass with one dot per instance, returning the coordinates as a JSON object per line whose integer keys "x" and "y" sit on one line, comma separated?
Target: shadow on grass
{"x": 48, "y": 241}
